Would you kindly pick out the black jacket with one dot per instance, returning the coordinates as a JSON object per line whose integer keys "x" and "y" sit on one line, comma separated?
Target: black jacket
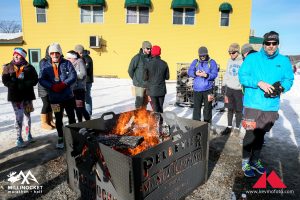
{"x": 20, "y": 89}
{"x": 156, "y": 72}
{"x": 136, "y": 68}
{"x": 88, "y": 66}
{"x": 42, "y": 92}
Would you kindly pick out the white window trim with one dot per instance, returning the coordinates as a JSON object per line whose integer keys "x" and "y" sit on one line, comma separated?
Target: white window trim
{"x": 138, "y": 16}
{"x": 92, "y": 11}
{"x": 36, "y": 15}
{"x": 221, "y": 20}
{"x": 183, "y": 18}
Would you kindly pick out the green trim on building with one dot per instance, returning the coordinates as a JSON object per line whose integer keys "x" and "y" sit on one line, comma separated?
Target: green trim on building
{"x": 184, "y": 4}
{"x": 40, "y": 3}
{"x": 225, "y": 7}
{"x": 91, "y": 2}
{"x": 255, "y": 40}
{"x": 143, "y": 3}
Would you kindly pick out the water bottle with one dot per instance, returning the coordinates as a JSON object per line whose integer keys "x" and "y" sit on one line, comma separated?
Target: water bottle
{"x": 233, "y": 197}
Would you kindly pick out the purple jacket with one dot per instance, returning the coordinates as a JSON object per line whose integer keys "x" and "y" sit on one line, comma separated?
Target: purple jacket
{"x": 200, "y": 83}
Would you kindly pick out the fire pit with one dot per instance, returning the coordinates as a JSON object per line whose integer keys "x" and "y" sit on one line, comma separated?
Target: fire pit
{"x": 107, "y": 160}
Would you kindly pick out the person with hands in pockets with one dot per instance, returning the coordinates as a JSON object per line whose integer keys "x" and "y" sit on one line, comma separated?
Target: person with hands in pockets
{"x": 58, "y": 76}
{"x": 204, "y": 71}
{"x": 20, "y": 77}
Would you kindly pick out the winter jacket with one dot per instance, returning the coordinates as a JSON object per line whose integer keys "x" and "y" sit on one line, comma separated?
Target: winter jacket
{"x": 156, "y": 72}
{"x": 260, "y": 66}
{"x": 19, "y": 89}
{"x": 42, "y": 92}
{"x": 136, "y": 68}
{"x": 200, "y": 83}
{"x": 67, "y": 74}
{"x": 79, "y": 67}
{"x": 231, "y": 78}
{"x": 88, "y": 66}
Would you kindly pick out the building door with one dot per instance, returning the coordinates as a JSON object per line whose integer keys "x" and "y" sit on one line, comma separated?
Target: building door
{"x": 34, "y": 58}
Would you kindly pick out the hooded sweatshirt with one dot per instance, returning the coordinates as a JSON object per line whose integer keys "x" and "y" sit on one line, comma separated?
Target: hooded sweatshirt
{"x": 231, "y": 78}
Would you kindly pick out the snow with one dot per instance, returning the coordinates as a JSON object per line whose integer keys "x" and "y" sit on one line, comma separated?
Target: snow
{"x": 9, "y": 36}
{"x": 115, "y": 95}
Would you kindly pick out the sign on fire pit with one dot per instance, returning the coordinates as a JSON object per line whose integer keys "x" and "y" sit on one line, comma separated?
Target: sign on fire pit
{"x": 139, "y": 161}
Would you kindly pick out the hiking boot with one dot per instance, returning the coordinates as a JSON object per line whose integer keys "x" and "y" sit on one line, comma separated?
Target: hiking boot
{"x": 248, "y": 171}
{"x": 30, "y": 138}
{"x": 20, "y": 143}
{"x": 226, "y": 131}
{"x": 257, "y": 166}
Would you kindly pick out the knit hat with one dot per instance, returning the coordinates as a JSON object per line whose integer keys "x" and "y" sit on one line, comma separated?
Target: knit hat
{"x": 55, "y": 47}
{"x": 202, "y": 51}
{"x": 246, "y": 48}
{"x": 146, "y": 44}
{"x": 79, "y": 48}
{"x": 156, "y": 51}
{"x": 271, "y": 36}
{"x": 20, "y": 51}
{"x": 234, "y": 47}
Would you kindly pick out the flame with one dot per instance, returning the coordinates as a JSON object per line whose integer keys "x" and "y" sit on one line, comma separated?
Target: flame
{"x": 139, "y": 123}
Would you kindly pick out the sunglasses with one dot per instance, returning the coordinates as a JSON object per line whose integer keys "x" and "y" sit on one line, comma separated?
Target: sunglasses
{"x": 233, "y": 52}
{"x": 148, "y": 48}
{"x": 269, "y": 43}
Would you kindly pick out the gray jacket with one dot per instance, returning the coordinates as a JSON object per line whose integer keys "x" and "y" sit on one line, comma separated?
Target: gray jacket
{"x": 231, "y": 78}
{"x": 79, "y": 67}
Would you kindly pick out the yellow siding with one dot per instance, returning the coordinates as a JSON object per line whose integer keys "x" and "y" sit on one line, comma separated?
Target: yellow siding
{"x": 179, "y": 43}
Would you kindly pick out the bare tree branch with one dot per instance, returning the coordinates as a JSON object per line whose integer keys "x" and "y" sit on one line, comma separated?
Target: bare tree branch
{"x": 10, "y": 26}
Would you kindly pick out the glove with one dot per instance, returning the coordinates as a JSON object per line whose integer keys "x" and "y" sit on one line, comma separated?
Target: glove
{"x": 276, "y": 92}
{"x": 58, "y": 87}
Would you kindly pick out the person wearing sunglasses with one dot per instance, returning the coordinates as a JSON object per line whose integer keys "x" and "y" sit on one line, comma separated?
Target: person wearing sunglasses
{"x": 204, "y": 71}
{"x": 20, "y": 77}
{"x": 264, "y": 75}
{"x": 233, "y": 97}
{"x": 136, "y": 72}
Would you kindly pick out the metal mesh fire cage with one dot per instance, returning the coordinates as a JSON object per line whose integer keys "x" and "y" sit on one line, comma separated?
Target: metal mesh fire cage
{"x": 184, "y": 87}
{"x": 169, "y": 171}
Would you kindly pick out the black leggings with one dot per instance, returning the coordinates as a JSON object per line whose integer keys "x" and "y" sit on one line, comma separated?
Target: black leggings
{"x": 252, "y": 144}
{"x": 80, "y": 109}
{"x": 46, "y": 105}
{"x": 157, "y": 103}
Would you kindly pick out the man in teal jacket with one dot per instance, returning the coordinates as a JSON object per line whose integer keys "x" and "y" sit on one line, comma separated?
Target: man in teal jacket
{"x": 264, "y": 75}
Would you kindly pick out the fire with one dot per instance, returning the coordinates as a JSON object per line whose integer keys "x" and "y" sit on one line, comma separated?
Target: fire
{"x": 139, "y": 123}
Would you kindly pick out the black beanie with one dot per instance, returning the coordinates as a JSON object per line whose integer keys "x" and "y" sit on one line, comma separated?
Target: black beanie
{"x": 271, "y": 36}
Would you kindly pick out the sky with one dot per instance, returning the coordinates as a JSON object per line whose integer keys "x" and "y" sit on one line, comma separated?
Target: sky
{"x": 282, "y": 16}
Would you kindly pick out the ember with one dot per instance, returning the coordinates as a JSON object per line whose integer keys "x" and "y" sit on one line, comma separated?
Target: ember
{"x": 139, "y": 123}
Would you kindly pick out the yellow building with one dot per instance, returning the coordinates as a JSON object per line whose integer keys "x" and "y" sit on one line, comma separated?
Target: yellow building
{"x": 117, "y": 28}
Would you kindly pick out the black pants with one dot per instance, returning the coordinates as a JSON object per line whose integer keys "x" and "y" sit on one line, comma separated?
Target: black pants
{"x": 199, "y": 98}
{"x": 46, "y": 105}
{"x": 252, "y": 144}
{"x": 80, "y": 109}
{"x": 69, "y": 106}
{"x": 157, "y": 103}
{"x": 234, "y": 105}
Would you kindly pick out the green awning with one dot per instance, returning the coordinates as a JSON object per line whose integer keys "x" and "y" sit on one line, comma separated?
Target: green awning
{"x": 225, "y": 7}
{"x": 184, "y": 4}
{"x": 144, "y": 3}
{"x": 40, "y": 3}
{"x": 255, "y": 40}
{"x": 91, "y": 2}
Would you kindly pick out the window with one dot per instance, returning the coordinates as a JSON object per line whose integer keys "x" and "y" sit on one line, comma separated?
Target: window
{"x": 91, "y": 14}
{"x": 224, "y": 18}
{"x": 41, "y": 15}
{"x": 137, "y": 15}
{"x": 184, "y": 16}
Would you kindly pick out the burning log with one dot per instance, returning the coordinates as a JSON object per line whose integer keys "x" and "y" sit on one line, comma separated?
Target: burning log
{"x": 122, "y": 142}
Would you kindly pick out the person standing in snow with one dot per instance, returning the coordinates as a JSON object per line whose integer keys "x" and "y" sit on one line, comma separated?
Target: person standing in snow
{"x": 136, "y": 72}
{"x": 265, "y": 75}
{"x": 204, "y": 71}
{"x": 20, "y": 77}
{"x": 233, "y": 98}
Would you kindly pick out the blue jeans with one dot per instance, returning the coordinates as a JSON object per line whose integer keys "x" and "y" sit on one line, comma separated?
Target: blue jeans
{"x": 88, "y": 98}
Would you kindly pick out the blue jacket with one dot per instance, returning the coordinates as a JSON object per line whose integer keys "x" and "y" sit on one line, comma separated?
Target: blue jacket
{"x": 261, "y": 67}
{"x": 200, "y": 83}
{"x": 67, "y": 74}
